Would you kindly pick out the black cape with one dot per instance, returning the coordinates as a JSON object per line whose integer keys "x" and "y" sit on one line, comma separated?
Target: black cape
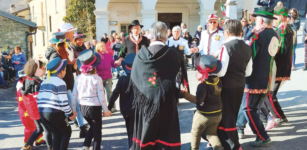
{"x": 156, "y": 125}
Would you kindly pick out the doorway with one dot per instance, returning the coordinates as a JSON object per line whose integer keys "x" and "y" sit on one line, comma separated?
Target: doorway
{"x": 170, "y": 19}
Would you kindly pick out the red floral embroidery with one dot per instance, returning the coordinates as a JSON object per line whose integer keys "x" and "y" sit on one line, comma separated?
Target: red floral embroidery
{"x": 255, "y": 91}
{"x": 152, "y": 80}
{"x": 282, "y": 78}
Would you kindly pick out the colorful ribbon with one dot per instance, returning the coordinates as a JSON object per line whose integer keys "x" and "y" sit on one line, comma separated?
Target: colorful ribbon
{"x": 54, "y": 71}
{"x": 204, "y": 72}
{"x": 86, "y": 68}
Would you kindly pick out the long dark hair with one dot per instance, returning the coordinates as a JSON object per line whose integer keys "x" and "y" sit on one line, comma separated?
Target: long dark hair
{"x": 296, "y": 12}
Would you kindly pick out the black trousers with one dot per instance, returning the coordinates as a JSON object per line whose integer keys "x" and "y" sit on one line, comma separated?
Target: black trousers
{"x": 92, "y": 114}
{"x": 40, "y": 128}
{"x": 248, "y": 113}
{"x": 273, "y": 104}
{"x": 129, "y": 121}
{"x": 194, "y": 57}
{"x": 59, "y": 126}
{"x": 227, "y": 131}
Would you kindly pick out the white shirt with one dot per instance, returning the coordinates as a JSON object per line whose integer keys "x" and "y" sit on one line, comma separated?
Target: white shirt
{"x": 225, "y": 60}
{"x": 215, "y": 43}
{"x": 177, "y": 43}
{"x": 136, "y": 38}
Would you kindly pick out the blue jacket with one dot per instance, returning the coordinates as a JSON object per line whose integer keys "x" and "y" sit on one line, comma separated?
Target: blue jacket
{"x": 266, "y": 3}
{"x": 22, "y": 61}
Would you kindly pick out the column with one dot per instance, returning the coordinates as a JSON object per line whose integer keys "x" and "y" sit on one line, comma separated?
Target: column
{"x": 102, "y": 23}
{"x": 148, "y": 13}
{"x": 232, "y": 9}
{"x": 206, "y": 9}
{"x": 102, "y": 18}
{"x": 148, "y": 18}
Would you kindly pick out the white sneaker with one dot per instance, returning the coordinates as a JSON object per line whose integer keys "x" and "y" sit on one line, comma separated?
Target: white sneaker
{"x": 271, "y": 124}
{"x": 85, "y": 148}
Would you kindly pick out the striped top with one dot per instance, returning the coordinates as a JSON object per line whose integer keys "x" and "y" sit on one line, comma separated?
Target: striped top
{"x": 88, "y": 89}
{"x": 52, "y": 97}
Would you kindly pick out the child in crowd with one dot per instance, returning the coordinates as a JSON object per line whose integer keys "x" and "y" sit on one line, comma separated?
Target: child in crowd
{"x": 88, "y": 90}
{"x": 208, "y": 102}
{"x": 116, "y": 48}
{"x": 29, "y": 90}
{"x": 126, "y": 98}
{"x": 23, "y": 114}
{"x": 104, "y": 69}
{"x": 53, "y": 104}
{"x": 194, "y": 55}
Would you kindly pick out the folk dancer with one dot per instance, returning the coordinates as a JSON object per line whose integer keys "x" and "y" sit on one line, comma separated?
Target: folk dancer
{"x": 264, "y": 46}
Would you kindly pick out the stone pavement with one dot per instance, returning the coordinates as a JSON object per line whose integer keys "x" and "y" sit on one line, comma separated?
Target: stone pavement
{"x": 291, "y": 136}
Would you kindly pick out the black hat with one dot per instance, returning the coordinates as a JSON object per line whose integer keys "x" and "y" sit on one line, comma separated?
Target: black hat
{"x": 208, "y": 64}
{"x": 127, "y": 62}
{"x": 266, "y": 12}
{"x": 79, "y": 34}
{"x": 55, "y": 66}
{"x": 135, "y": 23}
{"x": 88, "y": 60}
{"x": 58, "y": 37}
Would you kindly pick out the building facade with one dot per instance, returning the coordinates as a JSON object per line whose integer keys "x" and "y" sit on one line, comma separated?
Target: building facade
{"x": 48, "y": 15}
{"x": 116, "y": 15}
{"x": 14, "y": 32}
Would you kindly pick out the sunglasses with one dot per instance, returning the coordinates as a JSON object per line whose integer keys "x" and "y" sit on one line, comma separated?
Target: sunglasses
{"x": 213, "y": 22}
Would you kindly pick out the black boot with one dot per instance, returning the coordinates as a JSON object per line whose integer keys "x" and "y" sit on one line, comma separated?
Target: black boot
{"x": 83, "y": 132}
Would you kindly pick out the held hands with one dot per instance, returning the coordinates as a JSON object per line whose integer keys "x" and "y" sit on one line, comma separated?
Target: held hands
{"x": 73, "y": 116}
{"x": 119, "y": 61}
{"x": 107, "y": 114}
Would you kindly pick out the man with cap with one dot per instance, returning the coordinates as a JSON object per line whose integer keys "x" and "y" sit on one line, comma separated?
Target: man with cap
{"x": 237, "y": 64}
{"x": 133, "y": 42}
{"x": 68, "y": 29}
{"x": 283, "y": 60}
{"x": 264, "y": 44}
{"x": 211, "y": 39}
{"x": 126, "y": 98}
{"x": 104, "y": 38}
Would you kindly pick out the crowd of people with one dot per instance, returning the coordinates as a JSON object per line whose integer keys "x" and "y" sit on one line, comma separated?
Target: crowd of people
{"x": 241, "y": 65}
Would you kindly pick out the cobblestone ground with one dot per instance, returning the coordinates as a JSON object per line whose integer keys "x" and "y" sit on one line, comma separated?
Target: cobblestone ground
{"x": 291, "y": 136}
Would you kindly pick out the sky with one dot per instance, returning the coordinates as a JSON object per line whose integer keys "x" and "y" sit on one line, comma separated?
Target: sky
{"x": 20, "y": 4}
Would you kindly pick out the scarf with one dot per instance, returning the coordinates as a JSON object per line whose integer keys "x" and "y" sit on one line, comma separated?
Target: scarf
{"x": 151, "y": 79}
{"x": 209, "y": 39}
{"x": 136, "y": 42}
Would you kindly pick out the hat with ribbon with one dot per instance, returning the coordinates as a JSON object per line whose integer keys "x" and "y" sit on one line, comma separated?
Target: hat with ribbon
{"x": 88, "y": 60}
{"x": 55, "y": 66}
{"x": 212, "y": 17}
{"x": 135, "y": 23}
{"x": 281, "y": 11}
{"x": 66, "y": 27}
{"x": 59, "y": 37}
{"x": 266, "y": 12}
{"x": 21, "y": 74}
{"x": 127, "y": 63}
{"x": 207, "y": 64}
{"x": 79, "y": 34}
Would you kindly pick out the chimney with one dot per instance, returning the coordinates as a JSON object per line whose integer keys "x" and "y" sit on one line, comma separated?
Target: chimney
{"x": 12, "y": 9}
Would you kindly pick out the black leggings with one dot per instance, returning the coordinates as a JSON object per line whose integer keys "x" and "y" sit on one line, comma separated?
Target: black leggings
{"x": 40, "y": 128}
{"x": 58, "y": 124}
{"x": 92, "y": 114}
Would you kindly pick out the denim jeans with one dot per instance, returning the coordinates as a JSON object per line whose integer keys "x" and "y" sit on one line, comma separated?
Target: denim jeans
{"x": 2, "y": 81}
{"x": 107, "y": 84}
{"x": 81, "y": 121}
{"x": 293, "y": 60}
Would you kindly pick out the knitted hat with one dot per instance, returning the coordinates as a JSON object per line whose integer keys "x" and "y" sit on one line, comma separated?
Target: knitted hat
{"x": 212, "y": 17}
{"x": 127, "y": 63}
{"x": 87, "y": 60}
{"x": 55, "y": 66}
{"x": 281, "y": 11}
{"x": 207, "y": 64}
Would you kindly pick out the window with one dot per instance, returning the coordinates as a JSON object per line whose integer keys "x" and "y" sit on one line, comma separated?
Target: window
{"x": 56, "y": 6}
{"x": 43, "y": 39}
{"x": 50, "y": 24}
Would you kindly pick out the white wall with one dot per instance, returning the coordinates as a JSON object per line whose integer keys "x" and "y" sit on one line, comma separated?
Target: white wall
{"x": 250, "y": 4}
{"x": 56, "y": 21}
